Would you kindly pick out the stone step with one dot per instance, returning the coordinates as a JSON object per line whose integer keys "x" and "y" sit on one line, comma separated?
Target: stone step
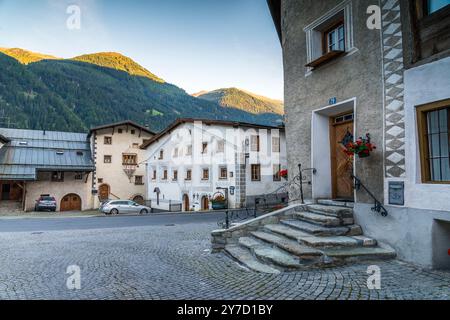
{"x": 321, "y": 219}
{"x": 328, "y": 202}
{"x": 291, "y": 246}
{"x": 269, "y": 254}
{"x": 352, "y": 230}
{"x": 327, "y": 242}
{"x": 381, "y": 252}
{"x": 339, "y": 212}
{"x": 245, "y": 257}
{"x": 286, "y": 231}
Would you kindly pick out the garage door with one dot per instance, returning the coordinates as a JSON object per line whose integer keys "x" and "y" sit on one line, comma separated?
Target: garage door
{"x": 71, "y": 202}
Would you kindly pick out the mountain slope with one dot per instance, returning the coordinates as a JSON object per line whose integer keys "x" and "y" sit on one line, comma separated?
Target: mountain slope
{"x": 71, "y": 95}
{"x": 243, "y": 100}
{"x": 117, "y": 61}
{"x": 25, "y": 56}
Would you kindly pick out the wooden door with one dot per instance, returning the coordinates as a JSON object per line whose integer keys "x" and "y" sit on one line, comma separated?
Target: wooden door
{"x": 103, "y": 192}
{"x": 6, "y": 189}
{"x": 186, "y": 202}
{"x": 71, "y": 202}
{"x": 341, "y": 163}
{"x": 205, "y": 203}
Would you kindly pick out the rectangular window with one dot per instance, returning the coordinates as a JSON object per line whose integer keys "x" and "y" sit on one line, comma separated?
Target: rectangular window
{"x": 256, "y": 172}
{"x": 135, "y": 145}
{"x": 205, "y": 174}
{"x": 189, "y": 175}
{"x": 436, "y": 5}
{"x": 175, "y": 153}
{"x": 120, "y": 131}
{"x": 175, "y": 175}
{"x": 161, "y": 154}
{"x": 276, "y": 144}
{"x": 220, "y": 146}
{"x": 129, "y": 159}
{"x": 108, "y": 140}
{"x": 107, "y": 159}
{"x": 334, "y": 38}
{"x": 154, "y": 175}
{"x": 189, "y": 151}
{"x": 255, "y": 143}
{"x": 165, "y": 175}
{"x": 79, "y": 176}
{"x": 204, "y": 147}
{"x": 276, "y": 172}
{"x": 223, "y": 173}
{"x": 57, "y": 176}
{"x": 139, "y": 180}
{"x": 434, "y": 141}
{"x": 133, "y": 131}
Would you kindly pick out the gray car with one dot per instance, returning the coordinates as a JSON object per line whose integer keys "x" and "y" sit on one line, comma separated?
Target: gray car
{"x": 114, "y": 207}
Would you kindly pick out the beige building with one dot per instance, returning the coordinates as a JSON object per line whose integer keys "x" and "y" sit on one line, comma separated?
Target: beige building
{"x": 119, "y": 161}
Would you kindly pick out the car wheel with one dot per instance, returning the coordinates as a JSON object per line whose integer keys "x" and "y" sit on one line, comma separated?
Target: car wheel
{"x": 114, "y": 211}
{"x": 143, "y": 211}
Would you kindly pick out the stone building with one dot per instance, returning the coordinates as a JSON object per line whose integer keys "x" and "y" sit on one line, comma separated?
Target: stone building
{"x": 193, "y": 160}
{"x": 377, "y": 67}
{"x": 119, "y": 161}
{"x": 35, "y": 162}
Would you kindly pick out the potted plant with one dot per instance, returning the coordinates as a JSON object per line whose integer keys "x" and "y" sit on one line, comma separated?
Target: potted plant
{"x": 362, "y": 147}
{"x": 284, "y": 174}
{"x": 219, "y": 202}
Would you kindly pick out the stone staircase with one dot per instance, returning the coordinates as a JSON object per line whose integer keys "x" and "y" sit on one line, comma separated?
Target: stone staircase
{"x": 316, "y": 235}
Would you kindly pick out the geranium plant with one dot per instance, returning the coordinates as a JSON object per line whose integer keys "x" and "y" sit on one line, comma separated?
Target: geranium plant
{"x": 284, "y": 174}
{"x": 362, "y": 147}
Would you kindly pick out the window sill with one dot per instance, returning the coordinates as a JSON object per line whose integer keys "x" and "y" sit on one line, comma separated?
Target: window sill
{"x": 325, "y": 59}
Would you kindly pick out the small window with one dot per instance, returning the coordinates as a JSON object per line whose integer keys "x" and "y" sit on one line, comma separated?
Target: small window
{"x": 256, "y": 172}
{"x": 107, "y": 159}
{"x": 138, "y": 180}
{"x": 223, "y": 173}
{"x": 79, "y": 176}
{"x": 161, "y": 154}
{"x": 135, "y": 145}
{"x": 120, "y": 131}
{"x": 205, "y": 174}
{"x": 188, "y": 175}
{"x": 434, "y": 141}
{"x": 57, "y": 176}
{"x": 276, "y": 172}
{"x": 108, "y": 140}
{"x": 80, "y": 153}
{"x": 220, "y": 146}
{"x": 133, "y": 131}
{"x": 189, "y": 151}
{"x": 175, "y": 175}
{"x": 255, "y": 143}
{"x": 100, "y": 180}
{"x": 23, "y": 143}
{"x": 175, "y": 153}
{"x": 334, "y": 38}
{"x": 165, "y": 175}
{"x": 204, "y": 147}
{"x": 436, "y": 5}
{"x": 276, "y": 144}
{"x": 129, "y": 159}
{"x": 154, "y": 175}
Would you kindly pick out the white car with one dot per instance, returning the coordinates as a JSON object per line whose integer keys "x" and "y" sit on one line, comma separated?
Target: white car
{"x": 114, "y": 207}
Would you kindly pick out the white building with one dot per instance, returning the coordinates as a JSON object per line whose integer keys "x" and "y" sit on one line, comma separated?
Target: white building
{"x": 193, "y": 161}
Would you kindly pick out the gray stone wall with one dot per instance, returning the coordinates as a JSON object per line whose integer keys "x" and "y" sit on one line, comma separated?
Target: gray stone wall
{"x": 357, "y": 75}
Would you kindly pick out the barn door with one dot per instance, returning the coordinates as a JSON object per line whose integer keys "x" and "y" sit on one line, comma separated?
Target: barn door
{"x": 71, "y": 202}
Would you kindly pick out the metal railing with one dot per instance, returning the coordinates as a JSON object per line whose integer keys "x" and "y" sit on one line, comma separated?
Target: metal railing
{"x": 378, "y": 206}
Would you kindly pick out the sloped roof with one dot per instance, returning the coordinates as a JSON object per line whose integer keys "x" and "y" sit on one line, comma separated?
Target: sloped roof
{"x": 122, "y": 123}
{"x": 29, "y": 151}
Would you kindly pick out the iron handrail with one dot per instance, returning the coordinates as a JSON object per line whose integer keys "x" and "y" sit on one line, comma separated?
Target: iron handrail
{"x": 378, "y": 206}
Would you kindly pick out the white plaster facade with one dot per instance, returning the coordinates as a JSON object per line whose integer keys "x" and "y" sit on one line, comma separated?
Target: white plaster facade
{"x": 227, "y": 145}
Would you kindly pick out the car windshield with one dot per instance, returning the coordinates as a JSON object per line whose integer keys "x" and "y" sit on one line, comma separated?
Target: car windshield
{"x": 47, "y": 199}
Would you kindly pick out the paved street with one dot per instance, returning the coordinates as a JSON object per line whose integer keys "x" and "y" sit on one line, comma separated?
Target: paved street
{"x": 168, "y": 257}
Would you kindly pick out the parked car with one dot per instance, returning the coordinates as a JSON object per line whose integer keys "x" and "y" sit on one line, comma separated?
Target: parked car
{"x": 45, "y": 203}
{"x": 114, "y": 207}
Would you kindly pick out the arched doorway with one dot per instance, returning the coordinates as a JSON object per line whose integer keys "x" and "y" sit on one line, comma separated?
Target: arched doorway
{"x": 71, "y": 202}
{"x": 205, "y": 203}
{"x": 103, "y": 192}
{"x": 186, "y": 206}
{"x": 139, "y": 199}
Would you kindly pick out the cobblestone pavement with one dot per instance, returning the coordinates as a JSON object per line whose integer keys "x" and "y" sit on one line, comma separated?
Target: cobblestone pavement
{"x": 174, "y": 262}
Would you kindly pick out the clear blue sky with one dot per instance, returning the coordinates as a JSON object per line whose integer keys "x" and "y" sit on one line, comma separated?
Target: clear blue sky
{"x": 195, "y": 44}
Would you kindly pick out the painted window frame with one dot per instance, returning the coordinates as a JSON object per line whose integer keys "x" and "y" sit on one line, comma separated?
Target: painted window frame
{"x": 423, "y": 132}
{"x": 255, "y": 172}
